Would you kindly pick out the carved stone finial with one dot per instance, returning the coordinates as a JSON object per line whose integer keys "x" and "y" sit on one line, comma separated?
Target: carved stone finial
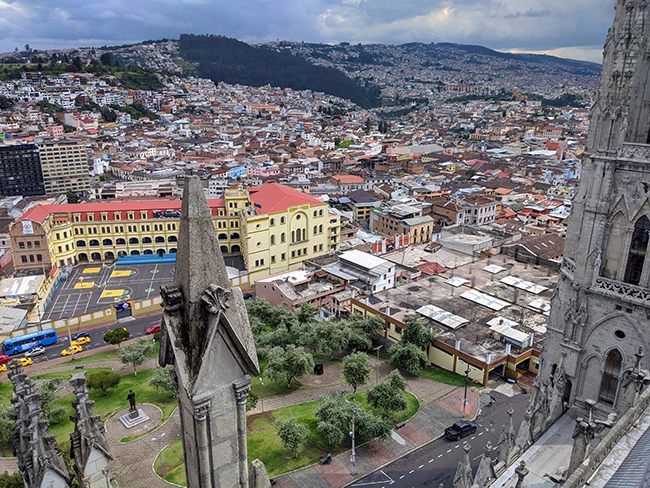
{"x": 216, "y": 298}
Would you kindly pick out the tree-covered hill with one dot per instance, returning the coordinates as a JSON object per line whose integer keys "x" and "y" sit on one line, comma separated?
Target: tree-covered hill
{"x": 231, "y": 61}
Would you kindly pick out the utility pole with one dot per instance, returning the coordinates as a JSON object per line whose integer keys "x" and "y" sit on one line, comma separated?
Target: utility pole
{"x": 353, "y": 456}
{"x": 467, "y": 372}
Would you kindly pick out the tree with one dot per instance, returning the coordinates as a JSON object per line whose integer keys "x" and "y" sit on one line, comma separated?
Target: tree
{"x": 12, "y": 480}
{"x": 292, "y": 434}
{"x": 7, "y": 425}
{"x": 408, "y": 356}
{"x": 369, "y": 426}
{"x": 251, "y": 401}
{"x": 389, "y": 394}
{"x": 103, "y": 380}
{"x": 416, "y": 333}
{"x": 117, "y": 335}
{"x": 288, "y": 364}
{"x": 135, "y": 354}
{"x": 329, "y": 337}
{"x": 161, "y": 378}
{"x": 5, "y": 102}
{"x": 56, "y": 413}
{"x": 72, "y": 196}
{"x": 356, "y": 370}
{"x": 334, "y": 417}
{"x": 105, "y": 59}
{"x": 47, "y": 389}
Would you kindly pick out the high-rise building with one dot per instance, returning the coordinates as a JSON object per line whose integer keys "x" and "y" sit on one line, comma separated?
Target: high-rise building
{"x": 65, "y": 167}
{"x": 20, "y": 171}
{"x": 601, "y": 309}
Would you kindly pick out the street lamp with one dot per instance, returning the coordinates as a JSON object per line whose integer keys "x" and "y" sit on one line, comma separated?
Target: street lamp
{"x": 467, "y": 372}
{"x": 160, "y": 453}
{"x": 262, "y": 386}
{"x": 353, "y": 456}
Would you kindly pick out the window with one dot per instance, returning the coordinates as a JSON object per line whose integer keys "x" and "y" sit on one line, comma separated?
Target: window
{"x": 315, "y": 229}
{"x": 315, "y": 213}
{"x": 37, "y": 244}
{"x": 67, "y": 247}
{"x": 320, "y": 247}
{"x": 293, "y": 254}
{"x": 261, "y": 262}
{"x": 272, "y": 221}
{"x": 272, "y": 259}
{"x": 104, "y": 217}
{"x": 315, "y": 248}
{"x": 76, "y": 231}
{"x": 91, "y": 217}
{"x": 637, "y": 252}
{"x": 21, "y": 245}
{"x": 31, "y": 258}
{"x": 76, "y": 218}
{"x": 293, "y": 236}
{"x": 23, "y": 259}
{"x": 320, "y": 229}
{"x": 39, "y": 257}
{"x": 60, "y": 249}
{"x": 58, "y": 236}
{"x": 282, "y": 237}
{"x": 282, "y": 220}
{"x": 272, "y": 239}
{"x": 143, "y": 215}
{"x": 118, "y": 216}
{"x": 257, "y": 261}
{"x": 131, "y": 216}
{"x": 284, "y": 257}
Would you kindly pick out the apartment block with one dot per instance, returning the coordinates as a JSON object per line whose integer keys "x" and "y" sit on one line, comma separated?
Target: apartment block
{"x": 20, "y": 171}
{"x": 65, "y": 167}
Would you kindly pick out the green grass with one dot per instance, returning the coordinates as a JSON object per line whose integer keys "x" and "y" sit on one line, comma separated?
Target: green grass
{"x": 440, "y": 375}
{"x": 263, "y": 444}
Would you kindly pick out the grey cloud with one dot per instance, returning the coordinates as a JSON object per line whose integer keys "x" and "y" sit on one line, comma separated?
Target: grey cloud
{"x": 529, "y": 13}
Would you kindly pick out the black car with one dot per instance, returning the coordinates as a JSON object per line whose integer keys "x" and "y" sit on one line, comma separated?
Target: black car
{"x": 460, "y": 429}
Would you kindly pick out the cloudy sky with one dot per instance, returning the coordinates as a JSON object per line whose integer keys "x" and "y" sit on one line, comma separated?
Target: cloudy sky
{"x": 567, "y": 28}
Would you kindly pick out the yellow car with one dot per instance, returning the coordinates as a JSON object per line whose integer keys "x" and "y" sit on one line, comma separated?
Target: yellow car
{"x": 3, "y": 368}
{"x": 80, "y": 341}
{"x": 75, "y": 349}
{"x": 26, "y": 362}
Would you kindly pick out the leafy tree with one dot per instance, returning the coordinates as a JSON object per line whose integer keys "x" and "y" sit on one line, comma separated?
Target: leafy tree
{"x": 288, "y": 364}
{"x": 56, "y": 413}
{"x": 72, "y": 196}
{"x": 105, "y": 59}
{"x": 77, "y": 63}
{"x": 361, "y": 331}
{"x": 389, "y": 395}
{"x": 135, "y": 354}
{"x": 12, "y": 480}
{"x": 416, "y": 333}
{"x": 47, "y": 389}
{"x": 161, "y": 378}
{"x": 329, "y": 337}
{"x": 6, "y": 103}
{"x": 292, "y": 434}
{"x": 306, "y": 313}
{"x": 356, "y": 370}
{"x": 334, "y": 418}
{"x": 104, "y": 380}
{"x": 408, "y": 356}
{"x": 369, "y": 426}
{"x": 251, "y": 401}
{"x": 117, "y": 335}
{"x": 7, "y": 425}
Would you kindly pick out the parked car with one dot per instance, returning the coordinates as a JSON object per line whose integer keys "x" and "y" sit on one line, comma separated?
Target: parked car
{"x": 80, "y": 334}
{"x": 460, "y": 429}
{"x": 37, "y": 351}
{"x": 4, "y": 358}
{"x": 3, "y": 368}
{"x": 154, "y": 329}
{"x": 75, "y": 349}
{"x": 81, "y": 341}
{"x": 26, "y": 362}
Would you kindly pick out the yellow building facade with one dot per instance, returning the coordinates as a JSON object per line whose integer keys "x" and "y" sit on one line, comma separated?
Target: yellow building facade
{"x": 298, "y": 227}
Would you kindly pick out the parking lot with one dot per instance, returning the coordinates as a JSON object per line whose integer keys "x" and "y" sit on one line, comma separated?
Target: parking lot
{"x": 95, "y": 287}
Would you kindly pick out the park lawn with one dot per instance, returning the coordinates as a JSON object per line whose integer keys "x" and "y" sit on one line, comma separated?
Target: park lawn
{"x": 100, "y": 356}
{"x": 440, "y": 375}
{"x": 265, "y": 445}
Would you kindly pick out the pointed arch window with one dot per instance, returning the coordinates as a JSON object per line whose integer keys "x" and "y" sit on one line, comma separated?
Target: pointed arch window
{"x": 609, "y": 385}
{"x": 637, "y": 252}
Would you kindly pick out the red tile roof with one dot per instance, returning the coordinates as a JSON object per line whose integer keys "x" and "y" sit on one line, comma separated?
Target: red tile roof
{"x": 273, "y": 197}
{"x": 40, "y": 213}
{"x": 349, "y": 179}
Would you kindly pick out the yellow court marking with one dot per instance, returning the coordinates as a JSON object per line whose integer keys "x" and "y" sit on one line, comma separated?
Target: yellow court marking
{"x": 84, "y": 285}
{"x": 113, "y": 293}
{"x": 121, "y": 274}
{"x": 92, "y": 270}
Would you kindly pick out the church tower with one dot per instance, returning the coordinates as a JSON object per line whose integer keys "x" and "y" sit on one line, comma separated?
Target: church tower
{"x": 600, "y": 313}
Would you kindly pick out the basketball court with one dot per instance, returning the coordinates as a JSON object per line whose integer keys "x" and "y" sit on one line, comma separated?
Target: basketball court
{"x": 91, "y": 287}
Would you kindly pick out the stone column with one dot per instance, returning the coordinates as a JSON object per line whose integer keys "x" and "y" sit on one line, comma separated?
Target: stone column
{"x": 242, "y": 388}
{"x": 203, "y": 443}
{"x": 522, "y": 472}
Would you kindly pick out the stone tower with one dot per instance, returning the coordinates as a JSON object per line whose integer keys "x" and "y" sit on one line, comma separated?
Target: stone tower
{"x": 600, "y": 313}
{"x": 89, "y": 447}
{"x": 206, "y": 335}
{"x": 39, "y": 456}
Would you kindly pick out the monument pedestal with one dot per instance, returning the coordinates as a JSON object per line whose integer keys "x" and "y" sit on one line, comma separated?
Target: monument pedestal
{"x": 133, "y": 418}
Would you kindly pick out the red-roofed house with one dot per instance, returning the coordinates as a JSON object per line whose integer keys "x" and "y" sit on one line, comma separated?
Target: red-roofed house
{"x": 348, "y": 183}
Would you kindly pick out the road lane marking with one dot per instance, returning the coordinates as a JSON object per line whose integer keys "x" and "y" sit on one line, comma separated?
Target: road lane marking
{"x": 421, "y": 466}
{"x": 430, "y": 460}
{"x": 402, "y": 476}
{"x": 480, "y": 433}
{"x": 439, "y": 455}
{"x": 411, "y": 471}
{"x": 448, "y": 451}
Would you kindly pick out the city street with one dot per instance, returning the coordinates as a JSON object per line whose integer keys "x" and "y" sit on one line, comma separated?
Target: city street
{"x": 137, "y": 328}
{"x": 437, "y": 461}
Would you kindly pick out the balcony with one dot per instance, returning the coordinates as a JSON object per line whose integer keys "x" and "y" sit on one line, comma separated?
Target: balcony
{"x": 626, "y": 292}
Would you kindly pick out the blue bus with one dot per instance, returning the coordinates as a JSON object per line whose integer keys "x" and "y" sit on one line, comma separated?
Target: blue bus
{"x": 29, "y": 341}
